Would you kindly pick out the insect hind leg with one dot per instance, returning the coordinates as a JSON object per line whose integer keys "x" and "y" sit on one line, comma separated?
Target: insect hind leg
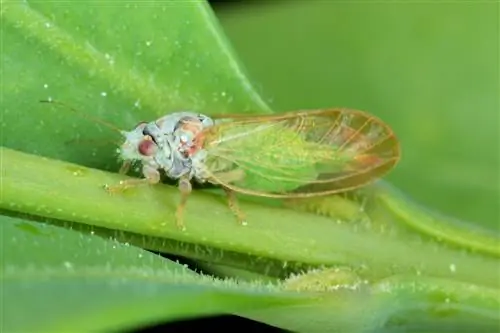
{"x": 226, "y": 178}
{"x": 234, "y": 206}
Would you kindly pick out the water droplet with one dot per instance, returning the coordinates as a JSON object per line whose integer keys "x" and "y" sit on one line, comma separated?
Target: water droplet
{"x": 140, "y": 255}
{"x": 49, "y": 99}
{"x": 137, "y": 104}
{"x": 223, "y": 94}
{"x": 92, "y": 232}
{"x": 148, "y": 43}
{"x": 45, "y": 85}
{"x": 48, "y": 25}
{"x": 104, "y": 94}
{"x": 68, "y": 265}
{"x": 453, "y": 268}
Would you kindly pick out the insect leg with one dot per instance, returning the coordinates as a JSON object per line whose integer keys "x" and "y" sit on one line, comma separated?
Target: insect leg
{"x": 152, "y": 176}
{"x": 125, "y": 167}
{"x": 185, "y": 188}
{"x": 233, "y": 205}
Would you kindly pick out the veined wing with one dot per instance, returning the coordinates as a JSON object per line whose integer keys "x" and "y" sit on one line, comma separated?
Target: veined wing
{"x": 300, "y": 154}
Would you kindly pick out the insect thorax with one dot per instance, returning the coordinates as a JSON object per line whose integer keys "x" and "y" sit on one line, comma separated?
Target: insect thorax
{"x": 179, "y": 150}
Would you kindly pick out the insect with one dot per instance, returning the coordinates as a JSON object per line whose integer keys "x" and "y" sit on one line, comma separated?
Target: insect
{"x": 292, "y": 155}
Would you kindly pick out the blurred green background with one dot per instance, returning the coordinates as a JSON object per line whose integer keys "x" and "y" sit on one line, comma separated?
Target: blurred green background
{"x": 430, "y": 69}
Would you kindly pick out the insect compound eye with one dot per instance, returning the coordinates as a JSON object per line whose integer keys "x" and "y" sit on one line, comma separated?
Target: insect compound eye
{"x": 147, "y": 147}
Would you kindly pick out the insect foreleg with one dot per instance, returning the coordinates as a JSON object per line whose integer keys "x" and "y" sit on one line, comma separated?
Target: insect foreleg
{"x": 152, "y": 176}
{"x": 125, "y": 167}
{"x": 185, "y": 189}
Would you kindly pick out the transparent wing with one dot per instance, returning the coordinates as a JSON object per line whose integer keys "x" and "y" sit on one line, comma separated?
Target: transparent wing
{"x": 299, "y": 154}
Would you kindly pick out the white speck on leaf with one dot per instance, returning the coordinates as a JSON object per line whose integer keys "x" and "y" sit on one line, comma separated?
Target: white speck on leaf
{"x": 148, "y": 43}
{"x": 45, "y": 85}
{"x": 453, "y": 268}
{"x": 104, "y": 94}
{"x": 68, "y": 265}
{"x": 109, "y": 58}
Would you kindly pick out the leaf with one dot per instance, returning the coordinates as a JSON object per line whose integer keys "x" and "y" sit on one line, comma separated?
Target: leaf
{"x": 106, "y": 62}
{"x": 73, "y": 282}
{"x": 99, "y": 284}
{"x": 135, "y": 61}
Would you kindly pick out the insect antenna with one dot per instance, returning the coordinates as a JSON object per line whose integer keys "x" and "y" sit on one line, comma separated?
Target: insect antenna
{"x": 83, "y": 115}
{"x": 94, "y": 142}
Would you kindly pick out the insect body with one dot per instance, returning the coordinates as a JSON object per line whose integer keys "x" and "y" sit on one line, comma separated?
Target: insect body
{"x": 167, "y": 144}
{"x": 292, "y": 155}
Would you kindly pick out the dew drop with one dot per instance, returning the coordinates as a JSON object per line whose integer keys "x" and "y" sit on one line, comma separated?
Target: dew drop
{"x": 104, "y": 94}
{"x": 223, "y": 94}
{"x": 48, "y": 25}
{"x": 68, "y": 265}
{"x": 453, "y": 268}
{"x": 148, "y": 43}
{"x": 45, "y": 85}
{"x": 140, "y": 255}
{"x": 137, "y": 104}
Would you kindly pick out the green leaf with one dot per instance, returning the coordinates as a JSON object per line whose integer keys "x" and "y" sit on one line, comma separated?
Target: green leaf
{"x": 72, "y": 282}
{"x": 105, "y": 62}
{"x": 136, "y": 61}
{"x": 99, "y": 284}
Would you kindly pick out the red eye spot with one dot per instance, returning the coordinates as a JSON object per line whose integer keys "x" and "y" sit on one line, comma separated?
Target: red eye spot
{"x": 147, "y": 147}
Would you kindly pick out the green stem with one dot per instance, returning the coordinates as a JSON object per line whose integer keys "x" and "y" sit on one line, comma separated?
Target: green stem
{"x": 59, "y": 190}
